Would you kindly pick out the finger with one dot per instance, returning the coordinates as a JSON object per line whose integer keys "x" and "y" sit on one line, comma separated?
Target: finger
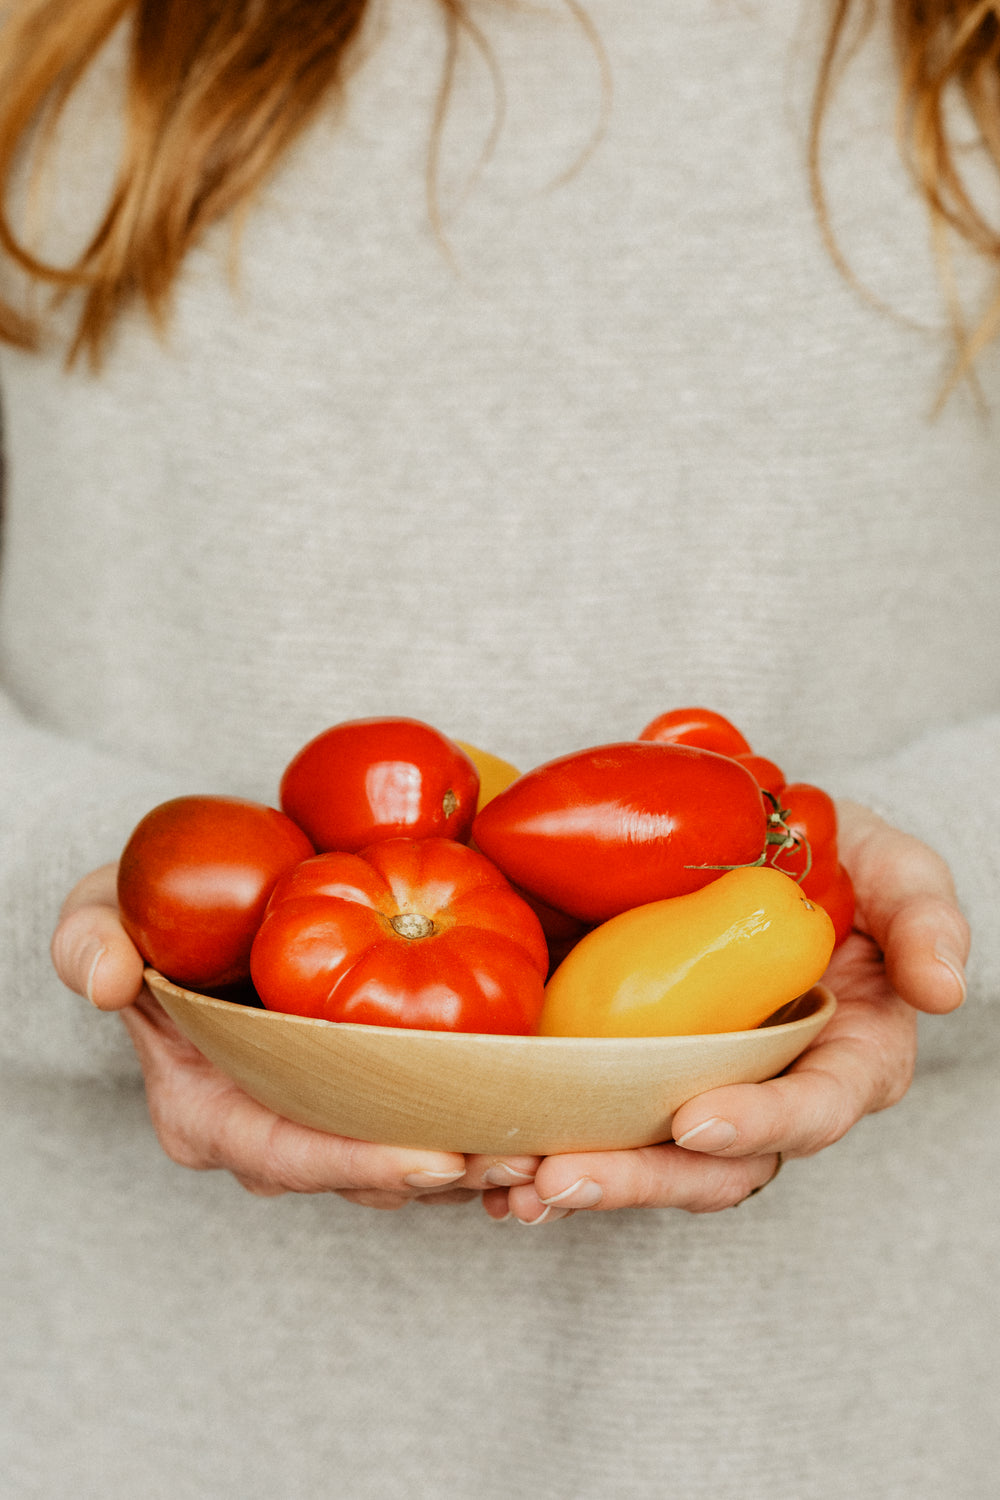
{"x": 906, "y": 901}
{"x": 862, "y": 1062}
{"x": 500, "y": 1171}
{"x": 446, "y": 1199}
{"x": 926, "y": 943}
{"x": 387, "y": 1202}
{"x": 495, "y": 1203}
{"x": 98, "y": 888}
{"x": 93, "y": 956}
{"x": 204, "y": 1121}
{"x": 650, "y": 1177}
{"x": 390, "y": 1201}
{"x": 259, "y": 1189}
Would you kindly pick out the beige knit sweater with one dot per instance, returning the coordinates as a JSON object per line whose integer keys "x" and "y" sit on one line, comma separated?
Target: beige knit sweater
{"x": 627, "y": 440}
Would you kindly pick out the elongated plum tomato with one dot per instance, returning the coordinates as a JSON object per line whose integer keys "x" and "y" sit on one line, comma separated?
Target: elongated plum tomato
{"x": 720, "y": 959}
{"x": 384, "y": 778}
{"x": 701, "y": 727}
{"x": 597, "y": 832}
{"x": 415, "y": 933}
{"x": 194, "y": 881}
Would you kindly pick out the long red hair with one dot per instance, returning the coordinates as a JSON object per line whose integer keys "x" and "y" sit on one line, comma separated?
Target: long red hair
{"x": 217, "y": 92}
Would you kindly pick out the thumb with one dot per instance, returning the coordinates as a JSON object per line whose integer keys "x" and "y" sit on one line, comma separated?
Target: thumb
{"x": 90, "y": 949}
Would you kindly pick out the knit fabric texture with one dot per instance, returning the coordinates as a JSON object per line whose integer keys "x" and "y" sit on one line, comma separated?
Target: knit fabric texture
{"x": 599, "y": 430}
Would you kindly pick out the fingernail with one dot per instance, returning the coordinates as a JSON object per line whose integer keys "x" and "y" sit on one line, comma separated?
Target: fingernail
{"x": 432, "y": 1179}
{"x": 710, "y": 1135}
{"x": 548, "y": 1217}
{"x": 956, "y": 969}
{"x": 92, "y": 972}
{"x": 502, "y": 1175}
{"x": 584, "y": 1193}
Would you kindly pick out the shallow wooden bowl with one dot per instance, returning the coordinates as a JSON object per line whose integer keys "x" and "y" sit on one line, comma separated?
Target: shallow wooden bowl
{"x": 460, "y": 1092}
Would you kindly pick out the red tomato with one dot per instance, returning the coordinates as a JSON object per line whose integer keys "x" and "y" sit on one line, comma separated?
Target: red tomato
{"x": 837, "y": 900}
{"x": 562, "y": 932}
{"x": 194, "y": 881}
{"x": 371, "y": 779}
{"x": 606, "y": 829}
{"x": 416, "y": 933}
{"x": 768, "y": 776}
{"x": 701, "y": 727}
{"x": 808, "y": 813}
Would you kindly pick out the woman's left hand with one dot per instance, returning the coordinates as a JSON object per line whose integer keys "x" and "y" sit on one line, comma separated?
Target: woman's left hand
{"x": 907, "y": 954}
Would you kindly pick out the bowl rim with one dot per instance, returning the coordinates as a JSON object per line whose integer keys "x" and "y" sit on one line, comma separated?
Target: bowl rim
{"x": 824, "y": 1008}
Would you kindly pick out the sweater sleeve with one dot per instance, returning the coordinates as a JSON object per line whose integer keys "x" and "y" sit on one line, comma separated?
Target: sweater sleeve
{"x": 65, "y": 810}
{"x": 945, "y": 789}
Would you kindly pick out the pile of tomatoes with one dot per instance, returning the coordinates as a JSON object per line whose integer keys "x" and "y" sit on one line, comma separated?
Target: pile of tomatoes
{"x": 410, "y": 880}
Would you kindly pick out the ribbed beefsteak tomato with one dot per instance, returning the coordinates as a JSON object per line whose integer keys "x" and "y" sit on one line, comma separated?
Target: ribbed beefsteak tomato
{"x": 603, "y": 830}
{"x": 415, "y": 933}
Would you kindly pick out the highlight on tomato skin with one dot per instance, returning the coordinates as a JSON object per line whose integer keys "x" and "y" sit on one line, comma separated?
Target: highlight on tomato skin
{"x": 194, "y": 880}
{"x": 424, "y": 934}
{"x": 615, "y": 826}
{"x": 379, "y": 778}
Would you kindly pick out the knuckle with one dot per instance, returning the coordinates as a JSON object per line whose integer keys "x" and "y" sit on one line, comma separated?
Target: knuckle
{"x": 729, "y": 1187}
{"x": 893, "y": 1053}
{"x": 646, "y": 1187}
{"x": 176, "y": 1141}
{"x": 278, "y": 1161}
{"x": 895, "y": 1079}
{"x": 258, "y": 1188}
{"x": 835, "y": 1111}
{"x": 373, "y": 1198}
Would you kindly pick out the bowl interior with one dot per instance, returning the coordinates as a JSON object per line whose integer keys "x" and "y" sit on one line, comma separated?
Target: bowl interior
{"x": 473, "y": 1093}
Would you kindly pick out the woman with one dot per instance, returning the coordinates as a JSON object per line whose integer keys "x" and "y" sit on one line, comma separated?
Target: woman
{"x": 595, "y": 426}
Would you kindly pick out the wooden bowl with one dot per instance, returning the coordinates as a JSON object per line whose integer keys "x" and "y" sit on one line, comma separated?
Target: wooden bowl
{"x": 454, "y": 1091}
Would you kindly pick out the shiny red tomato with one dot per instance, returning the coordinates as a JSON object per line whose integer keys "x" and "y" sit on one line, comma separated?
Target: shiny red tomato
{"x": 768, "y": 776}
{"x": 607, "y": 829}
{"x": 194, "y": 881}
{"x": 383, "y": 778}
{"x": 837, "y": 900}
{"x": 701, "y": 727}
{"x": 562, "y": 932}
{"x": 414, "y": 933}
{"x": 810, "y": 816}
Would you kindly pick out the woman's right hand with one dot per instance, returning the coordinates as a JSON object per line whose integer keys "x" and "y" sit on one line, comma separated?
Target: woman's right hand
{"x": 203, "y": 1120}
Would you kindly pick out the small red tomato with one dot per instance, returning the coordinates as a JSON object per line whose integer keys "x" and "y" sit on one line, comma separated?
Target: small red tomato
{"x": 810, "y": 815}
{"x": 413, "y": 933}
{"x": 385, "y": 778}
{"x": 837, "y": 900}
{"x": 194, "y": 881}
{"x": 701, "y": 727}
{"x": 768, "y": 776}
{"x": 606, "y": 829}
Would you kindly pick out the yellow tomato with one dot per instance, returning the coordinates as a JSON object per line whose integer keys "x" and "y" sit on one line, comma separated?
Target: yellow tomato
{"x": 720, "y": 959}
{"x": 495, "y": 775}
